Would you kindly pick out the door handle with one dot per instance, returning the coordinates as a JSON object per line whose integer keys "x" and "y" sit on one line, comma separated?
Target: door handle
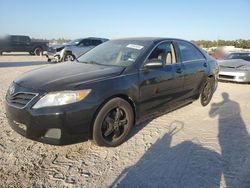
{"x": 205, "y": 64}
{"x": 178, "y": 70}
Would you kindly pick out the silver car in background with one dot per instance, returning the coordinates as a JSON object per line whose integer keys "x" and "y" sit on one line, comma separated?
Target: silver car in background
{"x": 71, "y": 52}
{"x": 72, "y": 49}
{"x": 235, "y": 67}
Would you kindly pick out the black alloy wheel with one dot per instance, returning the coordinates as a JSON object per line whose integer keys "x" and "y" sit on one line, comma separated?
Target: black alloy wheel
{"x": 113, "y": 123}
{"x": 207, "y": 92}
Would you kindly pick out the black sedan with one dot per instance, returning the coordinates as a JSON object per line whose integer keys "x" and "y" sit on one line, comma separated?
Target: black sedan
{"x": 106, "y": 91}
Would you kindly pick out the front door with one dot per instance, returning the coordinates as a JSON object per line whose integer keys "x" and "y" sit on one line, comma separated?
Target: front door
{"x": 160, "y": 86}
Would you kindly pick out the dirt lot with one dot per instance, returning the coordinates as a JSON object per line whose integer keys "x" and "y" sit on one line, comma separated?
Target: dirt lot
{"x": 190, "y": 147}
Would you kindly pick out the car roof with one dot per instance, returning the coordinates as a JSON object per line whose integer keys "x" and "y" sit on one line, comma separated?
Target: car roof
{"x": 150, "y": 39}
{"x": 95, "y": 38}
{"x": 241, "y": 52}
{"x": 18, "y": 36}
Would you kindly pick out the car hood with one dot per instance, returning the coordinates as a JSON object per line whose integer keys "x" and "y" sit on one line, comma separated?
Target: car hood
{"x": 66, "y": 76}
{"x": 233, "y": 63}
{"x": 57, "y": 46}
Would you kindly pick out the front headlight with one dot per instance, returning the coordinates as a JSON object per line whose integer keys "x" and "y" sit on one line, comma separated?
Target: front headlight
{"x": 61, "y": 98}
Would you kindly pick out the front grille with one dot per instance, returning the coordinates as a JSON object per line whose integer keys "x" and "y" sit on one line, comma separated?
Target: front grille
{"x": 20, "y": 100}
{"x": 226, "y": 76}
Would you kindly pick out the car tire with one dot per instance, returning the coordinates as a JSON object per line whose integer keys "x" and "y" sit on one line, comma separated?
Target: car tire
{"x": 207, "y": 91}
{"x": 68, "y": 57}
{"x": 38, "y": 51}
{"x": 113, "y": 123}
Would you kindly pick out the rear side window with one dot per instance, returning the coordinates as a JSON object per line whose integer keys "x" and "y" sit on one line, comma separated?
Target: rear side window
{"x": 15, "y": 39}
{"x": 24, "y": 39}
{"x": 189, "y": 52}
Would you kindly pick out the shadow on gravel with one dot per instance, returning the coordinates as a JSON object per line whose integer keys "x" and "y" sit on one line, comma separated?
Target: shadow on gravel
{"x": 189, "y": 164}
{"x": 185, "y": 165}
{"x": 234, "y": 141}
{"x": 23, "y": 64}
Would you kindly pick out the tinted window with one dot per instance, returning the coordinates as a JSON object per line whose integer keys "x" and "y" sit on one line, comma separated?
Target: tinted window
{"x": 189, "y": 52}
{"x": 15, "y": 39}
{"x": 245, "y": 56}
{"x": 164, "y": 52}
{"x": 86, "y": 42}
{"x": 24, "y": 39}
{"x": 96, "y": 42}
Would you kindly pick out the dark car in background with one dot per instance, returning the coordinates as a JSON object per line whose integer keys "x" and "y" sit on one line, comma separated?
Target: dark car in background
{"x": 73, "y": 49}
{"x": 21, "y": 43}
{"x": 107, "y": 90}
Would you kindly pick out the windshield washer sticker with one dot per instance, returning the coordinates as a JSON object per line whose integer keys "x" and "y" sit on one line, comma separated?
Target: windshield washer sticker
{"x": 134, "y": 46}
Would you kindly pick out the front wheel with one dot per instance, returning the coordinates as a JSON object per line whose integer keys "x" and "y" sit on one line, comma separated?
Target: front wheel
{"x": 113, "y": 123}
{"x": 68, "y": 57}
{"x": 207, "y": 91}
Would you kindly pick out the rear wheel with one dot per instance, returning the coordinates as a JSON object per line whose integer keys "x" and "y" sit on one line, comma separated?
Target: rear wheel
{"x": 38, "y": 51}
{"x": 207, "y": 91}
{"x": 113, "y": 123}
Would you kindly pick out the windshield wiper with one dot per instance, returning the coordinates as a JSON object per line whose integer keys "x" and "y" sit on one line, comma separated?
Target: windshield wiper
{"x": 94, "y": 62}
{"x": 89, "y": 62}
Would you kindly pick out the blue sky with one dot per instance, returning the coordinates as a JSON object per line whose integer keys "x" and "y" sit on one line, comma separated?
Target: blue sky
{"x": 188, "y": 19}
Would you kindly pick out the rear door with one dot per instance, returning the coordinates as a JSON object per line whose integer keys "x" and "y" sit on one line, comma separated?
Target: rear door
{"x": 15, "y": 44}
{"x": 195, "y": 68}
{"x": 161, "y": 86}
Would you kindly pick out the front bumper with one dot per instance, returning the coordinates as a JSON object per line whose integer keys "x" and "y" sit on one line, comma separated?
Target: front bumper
{"x": 56, "y": 126}
{"x": 54, "y": 57}
{"x": 234, "y": 75}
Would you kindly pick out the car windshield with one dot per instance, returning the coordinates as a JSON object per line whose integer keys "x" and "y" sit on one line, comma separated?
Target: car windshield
{"x": 114, "y": 53}
{"x": 74, "y": 42}
{"x": 244, "y": 56}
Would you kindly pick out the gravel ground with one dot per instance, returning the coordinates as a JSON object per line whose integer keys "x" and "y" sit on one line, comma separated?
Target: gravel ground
{"x": 191, "y": 147}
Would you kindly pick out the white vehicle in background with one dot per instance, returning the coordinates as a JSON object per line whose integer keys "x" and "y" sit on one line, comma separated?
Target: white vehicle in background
{"x": 73, "y": 49}
{"x": 235, "y": 67}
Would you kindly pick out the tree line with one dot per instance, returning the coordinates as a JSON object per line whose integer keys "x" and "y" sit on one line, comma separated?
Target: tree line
{"x": 240, "y": 43}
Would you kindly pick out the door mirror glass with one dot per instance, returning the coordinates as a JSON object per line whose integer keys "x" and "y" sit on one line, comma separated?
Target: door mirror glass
{"x": 154, "y": 63}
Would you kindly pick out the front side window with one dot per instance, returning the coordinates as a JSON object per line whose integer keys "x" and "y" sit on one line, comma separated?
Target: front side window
{"x": 188, "y": 52}
{"x": 113, "y": 53}
{"x": 164, "y": 52}
{"x": 96, "y": 42}
{"x": 74, "y": 42}
{"x": 85, "y": 42}
{"x": 24, "y": 39}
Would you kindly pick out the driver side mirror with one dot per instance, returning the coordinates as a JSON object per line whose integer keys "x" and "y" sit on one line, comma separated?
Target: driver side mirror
{"x": 154, "y": 63}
